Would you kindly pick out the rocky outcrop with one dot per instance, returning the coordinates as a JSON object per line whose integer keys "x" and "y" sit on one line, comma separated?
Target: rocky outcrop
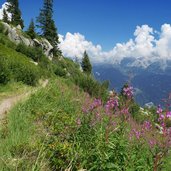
{"x": 45, "y": 45}
{"x": 16, "y": 35}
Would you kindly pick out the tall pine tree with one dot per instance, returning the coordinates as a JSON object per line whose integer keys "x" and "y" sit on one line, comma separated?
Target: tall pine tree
{"x": 31, "y": 29}
{"x": 86, "y": 65}
{"x": 13, "y": 8}
{"x": 47, "y": 26}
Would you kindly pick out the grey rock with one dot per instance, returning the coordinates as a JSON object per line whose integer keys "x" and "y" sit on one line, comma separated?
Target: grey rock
{"x": 45, "y": 46}
{"x": 149, "y": 105}
{"x": 15, "y": 35}
{"x": 19, "y": 27}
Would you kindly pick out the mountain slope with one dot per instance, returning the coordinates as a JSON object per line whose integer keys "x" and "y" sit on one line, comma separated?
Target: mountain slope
{"x": 152, "y": 83}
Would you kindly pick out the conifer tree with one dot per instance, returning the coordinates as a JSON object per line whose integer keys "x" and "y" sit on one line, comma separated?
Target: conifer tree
{"x": 31, "y": 29}
{"x": 5, "y": 16}
{"x": 47, "y": 26}
{"x": 86, "y": 65}
{"x": 13, "y": 8}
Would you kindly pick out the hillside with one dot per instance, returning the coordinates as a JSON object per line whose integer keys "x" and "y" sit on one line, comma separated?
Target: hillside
{"x": 73, "y": 123}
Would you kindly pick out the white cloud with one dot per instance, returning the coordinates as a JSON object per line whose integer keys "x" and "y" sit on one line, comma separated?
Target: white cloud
{"x": 145, "y": 44}
{"x": 4, "y": 6}
{"x": 163, "y": 45}
{"x": 74, "y": 45}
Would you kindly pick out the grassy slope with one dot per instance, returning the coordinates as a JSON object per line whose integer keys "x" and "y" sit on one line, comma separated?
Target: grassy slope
{"x": 24, "y": 133}
{"x": 11, "y": 53}
{"x": 15, "y": 66}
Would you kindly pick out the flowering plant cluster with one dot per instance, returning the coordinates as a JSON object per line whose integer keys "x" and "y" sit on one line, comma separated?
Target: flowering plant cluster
{"x": 112, "y": 104}
{"x": 156, "y": 135}
{"x": 114, "y": 118}
{"x": 128, "y": 91}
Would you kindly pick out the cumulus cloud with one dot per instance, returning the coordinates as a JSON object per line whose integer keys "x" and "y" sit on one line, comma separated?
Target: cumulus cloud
{"x": 163, "y": 45}
{"x": 74, "y": 45}
{"x": 144, "y": 45}
{"x": 4, "y": 6}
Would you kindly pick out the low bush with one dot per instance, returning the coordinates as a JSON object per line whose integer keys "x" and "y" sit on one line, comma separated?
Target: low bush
{"x": 5, "y": 41}
{"x": 1, "y": 28}
{"x": 32, "y": 52}
{"x": 15, "y": 67}
{"x": 90, "y": 85}
{"x": 59, "y": 71}
{"x": 4, "y": 71}
{"x": 84, "y": 81}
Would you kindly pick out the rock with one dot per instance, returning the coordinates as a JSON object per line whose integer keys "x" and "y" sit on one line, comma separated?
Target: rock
{"x": 45, "y": 46}
{"x": 68, "y": 74}
{"x": 35, "y": 63}
{"x": 149, "y": 105}
{"x": 19, "y": 27}
{"x": 15, "y": 35}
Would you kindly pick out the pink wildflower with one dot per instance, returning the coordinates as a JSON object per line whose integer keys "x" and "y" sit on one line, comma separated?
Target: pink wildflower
{"x": 159, "y": 109}
{"x": 95, "y": 104}
{"x": 168, "y": 114}
{"x": 152, "y": 143}
{"x": 111, "y": 104}
{"x": 147, "y": 125}
{"x": 128, "y": 91}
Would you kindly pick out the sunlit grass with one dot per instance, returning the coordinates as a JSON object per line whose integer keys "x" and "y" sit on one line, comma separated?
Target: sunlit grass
{"x": 12, "y": 89}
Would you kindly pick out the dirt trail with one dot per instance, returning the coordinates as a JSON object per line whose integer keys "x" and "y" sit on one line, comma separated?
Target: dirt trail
{"x": 8, "y": 103}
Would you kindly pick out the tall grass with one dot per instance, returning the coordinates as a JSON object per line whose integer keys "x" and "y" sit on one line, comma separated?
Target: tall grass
{"x": 13, "y": 88}
{"x": 29, "y": 126}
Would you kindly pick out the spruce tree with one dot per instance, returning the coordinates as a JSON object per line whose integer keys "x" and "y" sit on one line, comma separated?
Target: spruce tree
{"x": 86, "y": 65}
{"x": 31, "y": 29}
{"x": 47, "y": 26}
{"x": 5, "y": 16}
{"x": 13, "y": 8}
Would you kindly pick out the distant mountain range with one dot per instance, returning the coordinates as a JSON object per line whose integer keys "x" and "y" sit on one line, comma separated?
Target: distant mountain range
{"x": 151, "y": 79}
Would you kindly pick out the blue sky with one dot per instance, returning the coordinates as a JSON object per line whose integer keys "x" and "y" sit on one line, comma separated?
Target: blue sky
{"x": 103, "y": 22}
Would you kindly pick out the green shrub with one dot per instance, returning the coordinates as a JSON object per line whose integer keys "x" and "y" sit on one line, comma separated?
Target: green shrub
{"x": 14, "y": 66}
{"x": 68, "y": 65}
{"x": 60, "y": 71}
{"x": 5, "y": 41}
{"x": 84, "y": 81}
{"x": 4, "y": 71}
{"x": 31, "y": 52}
{"x": 90, "y": 85}
{"x": 1, "y": 28}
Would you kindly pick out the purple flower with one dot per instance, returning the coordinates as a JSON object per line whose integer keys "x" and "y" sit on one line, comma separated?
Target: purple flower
{"x": 95, "y": 104}
{"x": 159, "y": 109}
{"x": 125, "y": 111}
{"x": 161, "y": 118}
{"x": 168, "y": 114}
{"x": 128, "y": 91}
{"x": 137, "y": 134}
{"x": 111, "y": 104}
{"x": 152, "y": 143}
{"x": 147, "y": 125}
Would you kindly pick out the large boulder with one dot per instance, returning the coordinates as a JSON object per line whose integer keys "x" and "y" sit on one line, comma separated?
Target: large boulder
{"x": 17, "y": 36}
{"x": 45, "y": 45}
